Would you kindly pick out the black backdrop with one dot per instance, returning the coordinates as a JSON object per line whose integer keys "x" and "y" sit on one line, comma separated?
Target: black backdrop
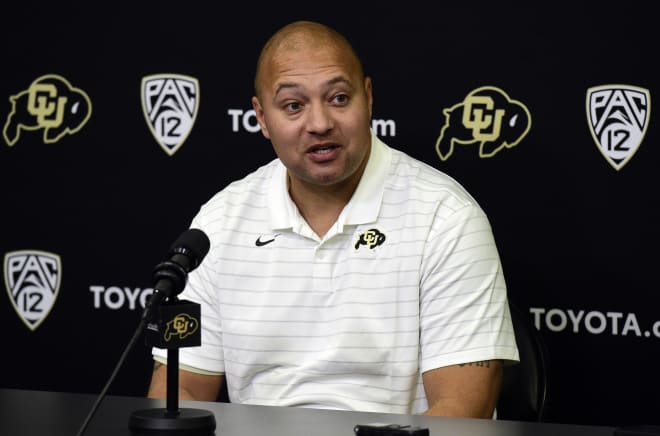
{"x": 577, "y": 235}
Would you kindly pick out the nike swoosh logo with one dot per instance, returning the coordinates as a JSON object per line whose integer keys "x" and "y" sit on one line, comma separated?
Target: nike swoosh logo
{"x": 260, "y": 243}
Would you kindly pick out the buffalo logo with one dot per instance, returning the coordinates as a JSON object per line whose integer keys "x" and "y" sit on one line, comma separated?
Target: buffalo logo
{"x": 181, "y": 326}
{"x": 618, "y": 117}
{"x": 488, "y": 117}
{"x": 169, "y": 104}
{"x": 372, "y": 238}
{"x": 51, "y": 104}
{"x": 32, "y": 279}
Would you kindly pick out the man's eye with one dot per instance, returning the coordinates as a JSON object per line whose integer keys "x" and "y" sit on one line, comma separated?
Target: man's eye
{"x": 293, "y": 106}
{"x": 341, "y": 98}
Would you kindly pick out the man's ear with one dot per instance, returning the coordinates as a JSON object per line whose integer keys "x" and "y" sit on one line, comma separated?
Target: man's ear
{"x": 370, "y": 96}
{"x": 260, "y": 116}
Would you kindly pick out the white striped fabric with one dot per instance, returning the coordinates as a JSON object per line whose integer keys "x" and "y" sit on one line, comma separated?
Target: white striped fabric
{"x": 409, "y": 279}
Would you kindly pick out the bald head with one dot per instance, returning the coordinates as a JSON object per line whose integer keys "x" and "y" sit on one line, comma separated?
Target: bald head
{"x": 300, "y": 36}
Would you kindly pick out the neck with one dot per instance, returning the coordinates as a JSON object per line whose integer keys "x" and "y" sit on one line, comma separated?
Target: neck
{"x": 321, "y": 205}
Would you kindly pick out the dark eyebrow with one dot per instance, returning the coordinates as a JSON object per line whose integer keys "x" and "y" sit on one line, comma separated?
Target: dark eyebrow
{"x": 292, "y": 85}
{"x": 340, "y": 79}
{"x": 285, "y": 85}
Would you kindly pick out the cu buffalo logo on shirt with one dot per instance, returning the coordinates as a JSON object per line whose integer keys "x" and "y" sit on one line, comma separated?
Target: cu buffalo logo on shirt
{"x": 371, "y": 238}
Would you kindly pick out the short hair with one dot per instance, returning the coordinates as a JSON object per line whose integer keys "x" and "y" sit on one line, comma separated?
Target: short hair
{"x": 296, "y": 34}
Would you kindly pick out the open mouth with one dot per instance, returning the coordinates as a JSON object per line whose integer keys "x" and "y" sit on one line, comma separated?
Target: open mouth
{"x": 323, "y": 150}
{"x": 324, "y": 153}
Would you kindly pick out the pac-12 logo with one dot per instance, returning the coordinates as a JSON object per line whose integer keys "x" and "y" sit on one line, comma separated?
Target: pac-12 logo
{"x": 618, "y": 116}
{"x": 170, "y": 103}
{"x": 32, "y": 279}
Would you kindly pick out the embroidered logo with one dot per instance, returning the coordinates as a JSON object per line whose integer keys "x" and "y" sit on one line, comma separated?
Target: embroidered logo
{"x": 51, "y": 104}
{"x": 33, "y": 280}
{"x": 487, "y": 117}
{"x": 169, "y": 104}
{"x": 618, "y": 116}
{"x": 371, "y": 238}
{"x": 261, "y": 242}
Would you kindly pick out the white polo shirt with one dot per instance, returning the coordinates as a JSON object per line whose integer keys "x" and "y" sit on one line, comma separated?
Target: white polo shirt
{"x": 407, "y": 280}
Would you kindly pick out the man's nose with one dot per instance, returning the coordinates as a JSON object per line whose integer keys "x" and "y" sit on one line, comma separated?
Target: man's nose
{"x": 319, "y": 119}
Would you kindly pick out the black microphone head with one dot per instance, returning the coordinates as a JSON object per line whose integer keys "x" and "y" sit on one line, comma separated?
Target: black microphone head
{"x": 194, "y": 244}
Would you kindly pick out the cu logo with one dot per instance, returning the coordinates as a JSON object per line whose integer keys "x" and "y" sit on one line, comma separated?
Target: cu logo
{"x": 487, "y": 117}
{"x": 50, "y": 104}
{"x": 371, "y": 238}
{"x": 181, "y": 326}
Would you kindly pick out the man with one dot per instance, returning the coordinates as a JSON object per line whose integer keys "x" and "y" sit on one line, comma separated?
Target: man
{"x": 344, "y": 274}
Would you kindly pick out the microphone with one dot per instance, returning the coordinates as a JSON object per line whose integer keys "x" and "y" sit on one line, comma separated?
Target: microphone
{"x": 170, "y": 276}
{"x": 174, "y": 324}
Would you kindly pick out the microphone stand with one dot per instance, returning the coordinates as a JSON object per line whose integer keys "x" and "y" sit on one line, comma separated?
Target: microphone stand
{"x": 179, "y": 332}
{"x": 182, "y": 330}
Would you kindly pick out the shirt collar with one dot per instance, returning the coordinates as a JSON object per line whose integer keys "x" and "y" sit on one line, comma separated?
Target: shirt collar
{"x": 363, "y": 206}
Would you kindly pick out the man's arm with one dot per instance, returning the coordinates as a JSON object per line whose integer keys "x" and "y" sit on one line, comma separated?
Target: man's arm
{"x": 467, "y": 390}
{"x": 192, "y": 386}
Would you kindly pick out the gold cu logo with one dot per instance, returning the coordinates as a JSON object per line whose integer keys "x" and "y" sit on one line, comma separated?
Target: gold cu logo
{"x": 478, "y": 116}
{"x": 50, "y": 104}
{"x": 487, "y": 117}
{"x": 181, "y": 326}
{"x": 371, "y": 238}
{"x": 43, "y": 102}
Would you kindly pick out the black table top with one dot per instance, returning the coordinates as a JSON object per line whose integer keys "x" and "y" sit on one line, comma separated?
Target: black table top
{"x": 40, "y": 413}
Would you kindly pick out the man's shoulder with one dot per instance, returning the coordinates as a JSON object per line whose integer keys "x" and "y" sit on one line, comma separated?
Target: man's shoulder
{"x": 252, "y": 191}
{"x": 418, "y": 177}
{"x": 256, "y": 183}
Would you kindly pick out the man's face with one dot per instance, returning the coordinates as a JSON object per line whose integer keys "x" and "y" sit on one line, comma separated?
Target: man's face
{"x": 315, "y": 107}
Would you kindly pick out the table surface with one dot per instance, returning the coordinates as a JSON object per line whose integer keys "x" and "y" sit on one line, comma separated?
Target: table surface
{"x": 41, "y": 413}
